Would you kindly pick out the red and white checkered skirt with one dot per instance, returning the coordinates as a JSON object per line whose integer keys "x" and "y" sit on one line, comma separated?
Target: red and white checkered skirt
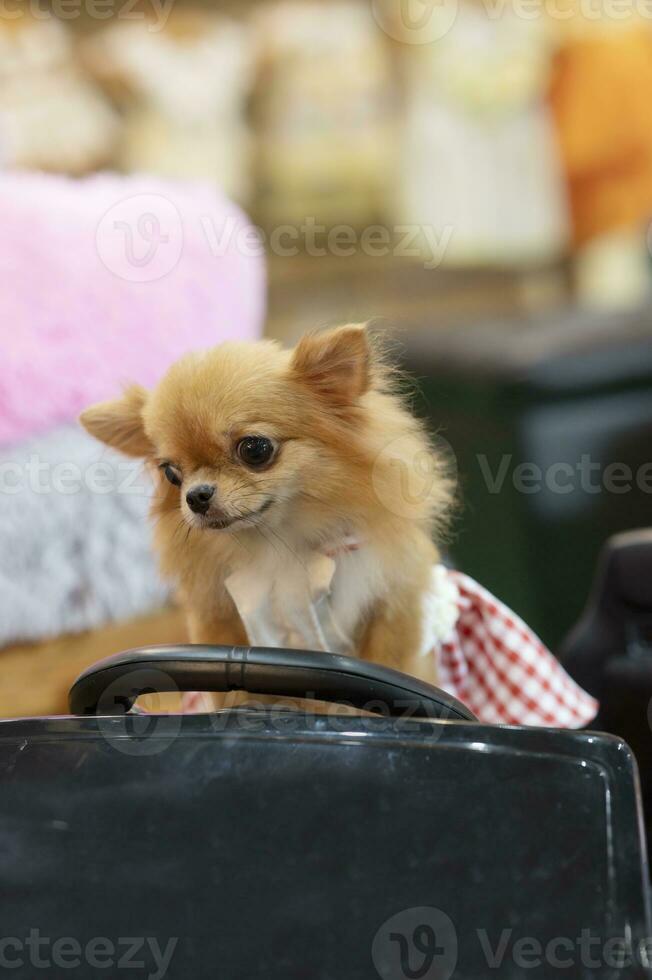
{"x": 500, "y": 669}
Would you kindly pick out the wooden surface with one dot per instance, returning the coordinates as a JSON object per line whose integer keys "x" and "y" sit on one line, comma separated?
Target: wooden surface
{"x": 35, "y": 679}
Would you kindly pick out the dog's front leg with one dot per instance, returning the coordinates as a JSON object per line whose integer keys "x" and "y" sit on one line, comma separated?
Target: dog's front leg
{"x": 219, "y": 626}
{"x": 395, "y": 639}
{"x": 394, "y": 636}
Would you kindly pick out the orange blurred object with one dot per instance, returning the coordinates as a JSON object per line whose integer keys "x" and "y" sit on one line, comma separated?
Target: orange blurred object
{"x": 602, "y": 102}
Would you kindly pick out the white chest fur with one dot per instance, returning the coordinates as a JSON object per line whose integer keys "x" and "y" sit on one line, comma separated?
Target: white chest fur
{"x": 357, "y": 582}
{"x": 316, "y": 602}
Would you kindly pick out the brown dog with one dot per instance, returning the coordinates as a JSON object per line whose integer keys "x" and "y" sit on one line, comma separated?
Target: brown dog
{"x": 263, "y": 453}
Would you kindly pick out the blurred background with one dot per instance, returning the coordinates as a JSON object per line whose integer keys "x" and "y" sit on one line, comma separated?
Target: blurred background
{"x": 474, "y": 176}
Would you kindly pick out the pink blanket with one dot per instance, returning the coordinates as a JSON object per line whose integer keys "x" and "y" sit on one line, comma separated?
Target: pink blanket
{"x": 108, "y": 280}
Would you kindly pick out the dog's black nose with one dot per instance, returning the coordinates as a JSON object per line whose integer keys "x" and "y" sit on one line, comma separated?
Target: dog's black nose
{"x": 199, "y": 498}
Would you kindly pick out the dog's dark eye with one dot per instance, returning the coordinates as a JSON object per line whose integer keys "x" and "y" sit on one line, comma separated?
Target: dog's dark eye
{"x": 171, "y": 474}
{"x": 255, "y": 450}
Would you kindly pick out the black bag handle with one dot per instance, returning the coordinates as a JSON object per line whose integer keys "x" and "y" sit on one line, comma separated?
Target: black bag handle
{"x": 112, "y": 685}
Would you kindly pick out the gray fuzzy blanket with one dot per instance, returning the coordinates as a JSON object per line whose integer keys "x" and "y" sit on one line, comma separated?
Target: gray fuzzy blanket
{"x": 75, "y": 539}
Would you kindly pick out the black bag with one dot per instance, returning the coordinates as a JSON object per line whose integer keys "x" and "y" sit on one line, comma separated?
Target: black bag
{"x": 274, "y": 843}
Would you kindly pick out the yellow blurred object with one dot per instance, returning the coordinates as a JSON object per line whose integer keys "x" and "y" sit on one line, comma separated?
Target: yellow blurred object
{"x": 613, "y": 271}
{"x": 478, "y": 157}
{"x": 601, "y": 97}
{"x": 44, "y": 96}
{"x": 182, "y": 87}
{"x": 326, "y": 136}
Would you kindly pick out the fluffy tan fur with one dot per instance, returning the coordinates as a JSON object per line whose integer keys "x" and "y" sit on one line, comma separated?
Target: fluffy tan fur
{"x": 345, "y": 444}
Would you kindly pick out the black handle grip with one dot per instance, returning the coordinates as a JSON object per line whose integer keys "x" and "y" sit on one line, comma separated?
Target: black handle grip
{"x": 112, "y": 685}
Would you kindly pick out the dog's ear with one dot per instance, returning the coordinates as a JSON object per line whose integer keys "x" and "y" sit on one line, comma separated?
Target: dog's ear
{"x": 119, "y": 423}
{"x": 336, "y": 363}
